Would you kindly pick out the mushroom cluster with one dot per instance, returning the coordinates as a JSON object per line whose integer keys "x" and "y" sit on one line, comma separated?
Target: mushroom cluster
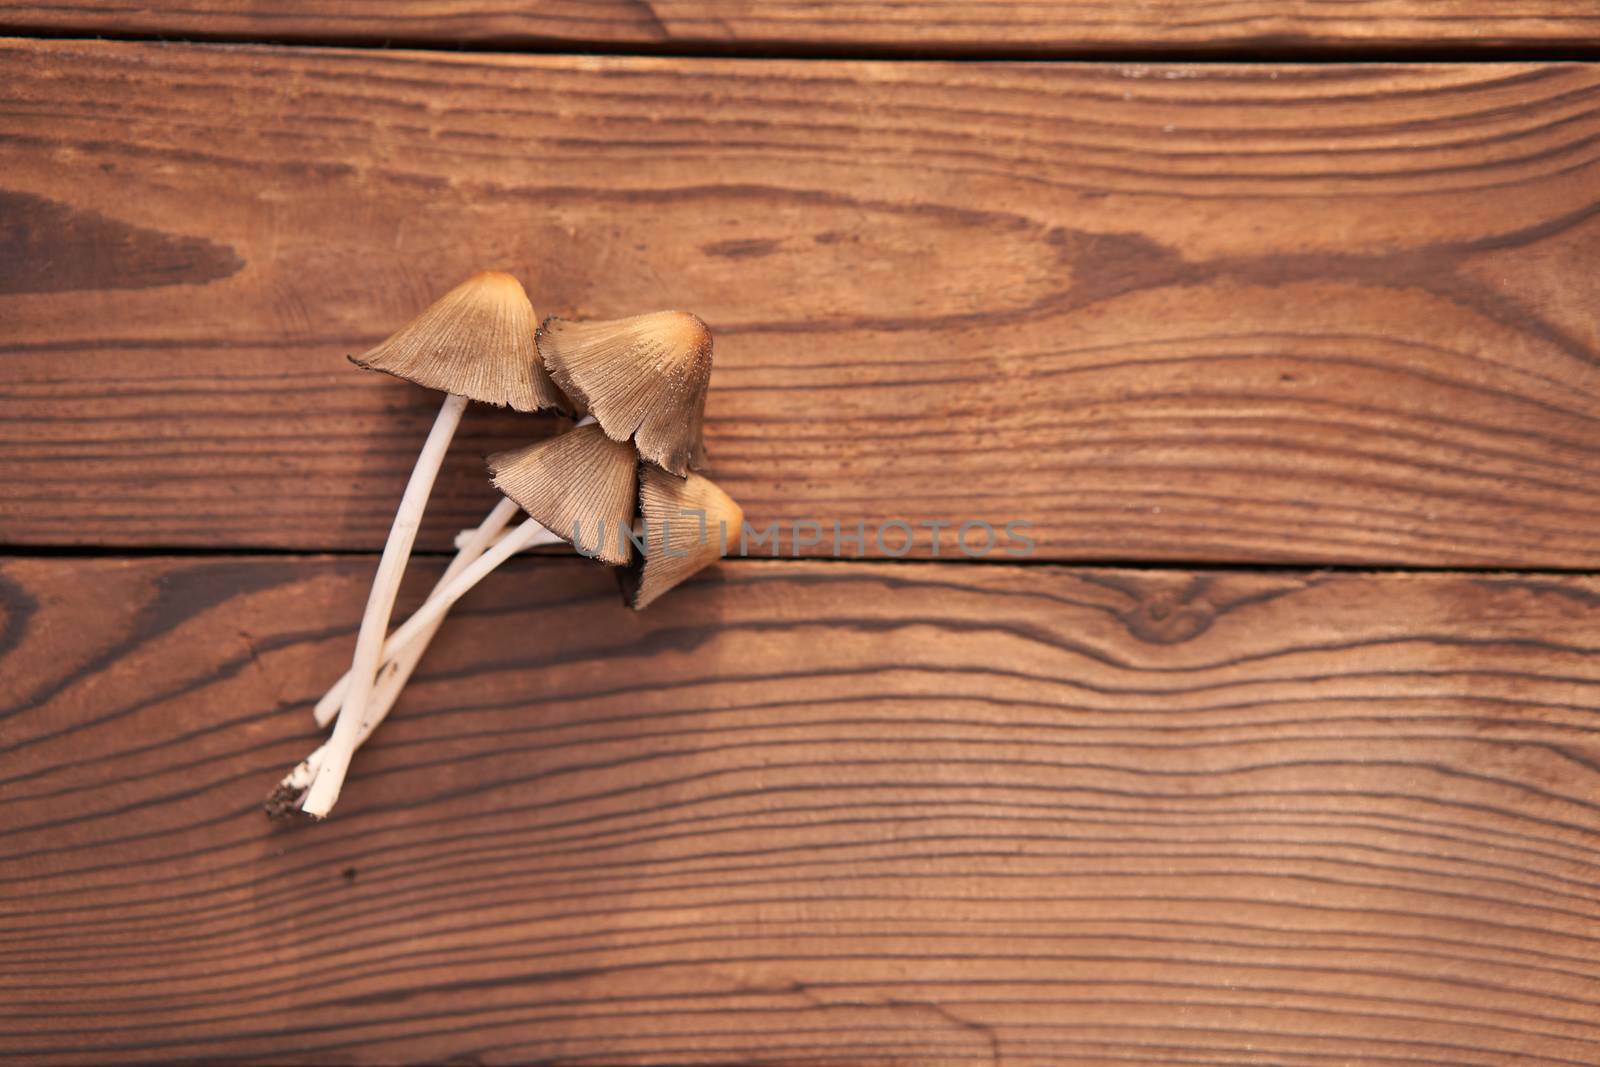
{"x": 623, "y": 485}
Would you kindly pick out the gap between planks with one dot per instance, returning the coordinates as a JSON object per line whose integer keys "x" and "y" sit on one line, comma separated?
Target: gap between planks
{"x": 1267, "y": 50}
{"x": 96, "y": 552}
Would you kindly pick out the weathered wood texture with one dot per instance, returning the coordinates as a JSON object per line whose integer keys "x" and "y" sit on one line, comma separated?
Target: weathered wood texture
{"x": 804, "y": 812}
{"x": 1299, "y": 314}
{"x": 1068, "y": 27}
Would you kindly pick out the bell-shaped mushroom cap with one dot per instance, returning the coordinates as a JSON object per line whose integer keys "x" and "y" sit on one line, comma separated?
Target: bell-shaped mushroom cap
{"x": 580, "y": 484}
{"x": 688, "y": 525}
{"x": 475, "y": 341}
{"x": 643, "y": 377}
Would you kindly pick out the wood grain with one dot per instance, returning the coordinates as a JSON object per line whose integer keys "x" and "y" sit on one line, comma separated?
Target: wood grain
{"x": 1286, "y": 314}
{"x": 804, "y": 812}
{"x": 1060, "y": 27}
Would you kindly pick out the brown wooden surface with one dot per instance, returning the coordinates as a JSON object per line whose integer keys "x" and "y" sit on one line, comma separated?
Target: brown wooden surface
{"x": 850, "y": 814}
{"x": 1273, "y": 313}
{"x": 986, "y": 26}
{"x": 808, "y": 812}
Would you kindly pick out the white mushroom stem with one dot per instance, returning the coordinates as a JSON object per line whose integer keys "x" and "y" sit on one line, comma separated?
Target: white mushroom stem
{"x": 461, "y": 540}
{"x": 324, "y": 791}
{"x": 427, "y": 617}
{"x": 463, "y": 537}
{"x": 469, "y": 545}
{"x": 399, "y": 663}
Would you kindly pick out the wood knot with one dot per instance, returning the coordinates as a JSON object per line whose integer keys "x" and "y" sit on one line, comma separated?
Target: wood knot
{"x": 1169, "y": 618}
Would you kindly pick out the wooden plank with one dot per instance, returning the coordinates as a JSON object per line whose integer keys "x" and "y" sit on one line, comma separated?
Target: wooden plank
{"x": 1304, "y": 314}
{"x": 1069, "y": 27}
{"x": 808, "y": 813}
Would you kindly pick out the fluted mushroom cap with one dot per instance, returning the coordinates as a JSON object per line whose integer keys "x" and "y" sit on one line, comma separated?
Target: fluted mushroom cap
{"x": 475, "y": 341}
{"x": 643, "y": 378}
{"x": 679, "y": 540}
{"x": 581, "y": 484}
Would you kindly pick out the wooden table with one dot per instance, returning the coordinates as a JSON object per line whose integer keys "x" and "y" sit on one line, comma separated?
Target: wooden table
{"x": 1278, "y": 322}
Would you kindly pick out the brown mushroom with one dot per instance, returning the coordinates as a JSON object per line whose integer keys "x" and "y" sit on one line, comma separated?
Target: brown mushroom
{"x": 474, "y": 343}
{"x": 687, "y": 523}
{"x": 643, "y": 378}
{"x": 580, "y": 481}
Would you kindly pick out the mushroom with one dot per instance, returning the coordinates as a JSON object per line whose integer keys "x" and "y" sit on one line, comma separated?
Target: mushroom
{"x": 643, "y": 378}
{"x": 563, "y": 483}
{"x": 400, "y": 662}
{"x": 581, "y": 476}
{"x": 473, "y": 343}
{"x": 573, "y": 479}
{"x": 678, "y": 516}
{"x": 674, "y": 526}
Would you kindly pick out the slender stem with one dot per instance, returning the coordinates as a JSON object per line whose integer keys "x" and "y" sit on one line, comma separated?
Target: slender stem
{"x": 399, "y": 663}
{"x": 324, "y": 792}
{"x": 525, "y": 535}
{"x": 295, "y": 782}
{"x": 461, "y": 539}
{"x": 401, "y": 659}
{"x": 392, "y": 676}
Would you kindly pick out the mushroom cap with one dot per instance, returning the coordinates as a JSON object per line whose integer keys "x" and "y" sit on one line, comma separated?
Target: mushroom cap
{"x": 677, "y": 543}
{"x": 581, "y": 484}
{"x": 475, "y": 341}
{"x": 643, "y": 377}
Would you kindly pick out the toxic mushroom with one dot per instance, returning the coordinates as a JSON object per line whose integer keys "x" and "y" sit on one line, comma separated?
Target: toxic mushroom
{"x": 687, "y": 524}
{"x": 643, "y": 378}
{"x": 473, "y": 343}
